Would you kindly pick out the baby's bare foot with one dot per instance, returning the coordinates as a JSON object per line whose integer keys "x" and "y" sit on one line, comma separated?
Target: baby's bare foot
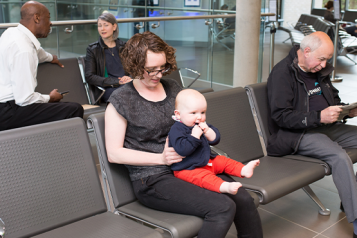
{"x": 248, "y": 170}
{"x": 231, "y": 187}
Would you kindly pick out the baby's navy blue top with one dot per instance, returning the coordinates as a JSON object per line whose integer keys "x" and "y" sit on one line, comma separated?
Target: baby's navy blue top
{"x": 197, "y": 151}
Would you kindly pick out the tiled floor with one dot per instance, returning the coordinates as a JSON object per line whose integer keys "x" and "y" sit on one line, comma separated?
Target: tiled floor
{"x": 296, "y": 215}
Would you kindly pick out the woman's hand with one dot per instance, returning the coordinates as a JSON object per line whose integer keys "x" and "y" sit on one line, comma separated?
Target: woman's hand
{"x": 169, "y": 154}
{"x": 124, "y": 79}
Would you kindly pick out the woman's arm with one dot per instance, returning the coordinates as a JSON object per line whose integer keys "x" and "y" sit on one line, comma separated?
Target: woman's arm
{"x": 115, "y": 127}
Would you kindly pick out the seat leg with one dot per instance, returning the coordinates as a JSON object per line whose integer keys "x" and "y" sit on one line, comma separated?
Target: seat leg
{"x": 322, "y": 209}
{"x": 287, "y": 39}
{"x": 224, "y": 45}
{"x": 350, "y": 59}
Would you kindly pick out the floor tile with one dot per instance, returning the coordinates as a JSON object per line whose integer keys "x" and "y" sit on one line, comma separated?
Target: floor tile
{"x": 326, "y": 183}
{"x": 342, "y": 229}
{"x": 276, "y": 227}
{"x": 297, "y": 207}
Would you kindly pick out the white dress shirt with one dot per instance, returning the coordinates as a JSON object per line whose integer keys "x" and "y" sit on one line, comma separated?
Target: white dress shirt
{"x": 20, "y": 54}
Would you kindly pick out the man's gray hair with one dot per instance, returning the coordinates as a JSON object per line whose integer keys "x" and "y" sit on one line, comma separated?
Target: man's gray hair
{"x": 312, "y": 41}
{"x": 108, "y": 17}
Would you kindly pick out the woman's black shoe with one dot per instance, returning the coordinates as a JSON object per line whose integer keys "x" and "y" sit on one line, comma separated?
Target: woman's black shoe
{"x": 342, "y": 209}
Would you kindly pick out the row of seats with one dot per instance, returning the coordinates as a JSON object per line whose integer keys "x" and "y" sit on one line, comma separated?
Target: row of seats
{"x": 50, "y": 186}
{"x": 347, "y": 16}
{"x": 50, "y": 76}
{"x": 307, "y": 24}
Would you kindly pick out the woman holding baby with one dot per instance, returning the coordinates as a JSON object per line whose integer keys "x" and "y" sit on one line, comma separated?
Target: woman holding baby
{"x": 137, "y": 122}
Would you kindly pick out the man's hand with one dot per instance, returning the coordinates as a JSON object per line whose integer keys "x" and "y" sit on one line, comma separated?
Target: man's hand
{"x": 169, "y": 155}
{"x": 124, "y": 79}
{"x": 353, "y": 112}
{"x": 56, "y": 61}
{"x": 330, "y": 114}
{"x": 55, "y": 96}
{"x": 196, "y": 132}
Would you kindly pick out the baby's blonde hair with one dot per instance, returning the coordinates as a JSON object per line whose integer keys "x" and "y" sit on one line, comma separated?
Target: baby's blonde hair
{"x": 183, "y": 96}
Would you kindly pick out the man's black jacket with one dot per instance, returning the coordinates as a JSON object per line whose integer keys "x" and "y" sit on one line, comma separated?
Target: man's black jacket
{"x": 289, "y": 104}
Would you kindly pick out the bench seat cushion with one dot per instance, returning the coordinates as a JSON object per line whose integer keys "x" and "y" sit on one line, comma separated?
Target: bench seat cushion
{"x": 106, "y": 225}
{"x": 277, "y": 174}
{"x": 181, "y": 225}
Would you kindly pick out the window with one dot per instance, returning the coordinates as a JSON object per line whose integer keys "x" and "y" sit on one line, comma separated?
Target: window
{"x": 353, "y": 4}
{"x": 322, "y": 3}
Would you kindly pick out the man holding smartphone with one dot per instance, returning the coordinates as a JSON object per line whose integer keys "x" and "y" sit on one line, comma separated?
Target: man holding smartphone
{"x": 20, "y": 53}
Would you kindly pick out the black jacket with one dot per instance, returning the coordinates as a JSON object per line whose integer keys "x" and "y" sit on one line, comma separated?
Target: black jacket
{"x": 289, "y": 104}
{"x": 95, "y": 66}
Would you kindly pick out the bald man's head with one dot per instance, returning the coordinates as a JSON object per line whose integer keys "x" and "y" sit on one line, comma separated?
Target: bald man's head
{"x": 30, "y": 8}
{"x": 36, "y": 17}
{"x": 315, "y": 50}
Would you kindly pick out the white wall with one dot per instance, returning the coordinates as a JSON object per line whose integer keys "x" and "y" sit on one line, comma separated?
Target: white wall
{"x": 293, "y": 9}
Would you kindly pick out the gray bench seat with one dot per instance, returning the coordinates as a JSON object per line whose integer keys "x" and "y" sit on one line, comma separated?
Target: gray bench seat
{"x": 51, "y": 76}
{"x": 50, "y": 186}
{"x": 230, "y": 112}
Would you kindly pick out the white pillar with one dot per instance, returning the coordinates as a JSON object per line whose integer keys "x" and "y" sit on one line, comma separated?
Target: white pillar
{"x": 246, "y": 47}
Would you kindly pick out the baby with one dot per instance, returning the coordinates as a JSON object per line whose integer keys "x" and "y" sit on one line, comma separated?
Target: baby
{"x": 190, "y": 136}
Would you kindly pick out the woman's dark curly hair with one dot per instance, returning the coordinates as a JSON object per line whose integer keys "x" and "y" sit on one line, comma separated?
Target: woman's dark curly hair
{"x": 133, "y": 55}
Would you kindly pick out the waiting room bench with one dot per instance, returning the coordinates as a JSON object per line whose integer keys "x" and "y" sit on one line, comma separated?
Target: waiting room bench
{"x": 230, "y": 112}
{"x": 50, "y": 187}
{"x": 305, "y": 26}
{"x": 51, "y": 76}
{"x": 308, "y": 24}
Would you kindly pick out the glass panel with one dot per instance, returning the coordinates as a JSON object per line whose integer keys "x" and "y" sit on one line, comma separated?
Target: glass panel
{"x": 190, "y": 38}
{"x": 74, "y": 44}
{"x": 208, "y": 49}
{"x": 222, "y": 38}
{"x": 223, "y": 35}
{"x": 12, "y": 10}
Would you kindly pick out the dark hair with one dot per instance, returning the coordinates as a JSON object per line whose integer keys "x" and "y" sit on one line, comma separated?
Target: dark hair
{"x": 108, "y": 17}
{"x": 134, "y": 53}
{"x": 329, "y": 4}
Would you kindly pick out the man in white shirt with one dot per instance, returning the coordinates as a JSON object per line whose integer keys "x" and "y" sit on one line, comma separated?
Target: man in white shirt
{"x": 20, "y": 54}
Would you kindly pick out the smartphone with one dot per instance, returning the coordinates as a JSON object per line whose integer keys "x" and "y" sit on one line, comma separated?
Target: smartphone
{"x": 64, "y": 93}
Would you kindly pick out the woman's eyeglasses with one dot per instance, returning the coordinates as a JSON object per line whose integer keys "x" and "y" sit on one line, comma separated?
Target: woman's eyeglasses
{"x": 156, "y": 72}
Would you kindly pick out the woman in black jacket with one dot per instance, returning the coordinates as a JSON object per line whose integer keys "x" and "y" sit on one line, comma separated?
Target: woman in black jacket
{"x": 103, "y": 65}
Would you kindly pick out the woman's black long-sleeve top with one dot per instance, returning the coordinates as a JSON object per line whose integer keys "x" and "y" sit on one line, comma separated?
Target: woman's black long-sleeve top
{"x": 95, "y": 65}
